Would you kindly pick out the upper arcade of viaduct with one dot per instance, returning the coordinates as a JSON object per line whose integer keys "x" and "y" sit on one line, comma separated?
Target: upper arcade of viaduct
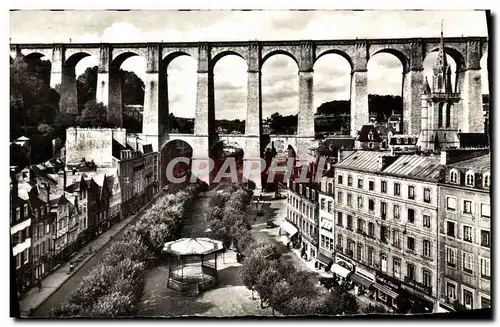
{"x": 466, "y": 52}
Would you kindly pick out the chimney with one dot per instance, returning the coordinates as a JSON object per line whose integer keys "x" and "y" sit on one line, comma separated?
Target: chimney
{"x": 444, "y": 157}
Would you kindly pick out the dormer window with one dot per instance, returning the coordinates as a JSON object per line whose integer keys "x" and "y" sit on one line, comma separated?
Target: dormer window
{"x": 486, "y": 180}
{"x": 398, "y": 140}
{"x": 469, "y": 178}
{"x": 454, "y": 176}
{"x": 25, "y": 210}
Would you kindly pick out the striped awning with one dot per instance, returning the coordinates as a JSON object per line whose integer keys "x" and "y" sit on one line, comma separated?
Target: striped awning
{"x": 360, "y": 280}
{"x": 324, "y": 259}
{"x": 289, "y": 228}
{"x": 386, "y": 290}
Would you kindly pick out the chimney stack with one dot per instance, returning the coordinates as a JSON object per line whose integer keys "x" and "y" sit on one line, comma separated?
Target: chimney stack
{"x": 444, "y": 157}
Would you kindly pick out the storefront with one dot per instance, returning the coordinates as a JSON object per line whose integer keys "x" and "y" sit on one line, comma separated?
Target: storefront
{"x": 342, "y": 268}
{"x": 287, "y": 232}
{"x": 362, "y": 279}
{"x": 324, "y": 260}
{"x": 387, "y": 289}
{"x": 419, "y": 295}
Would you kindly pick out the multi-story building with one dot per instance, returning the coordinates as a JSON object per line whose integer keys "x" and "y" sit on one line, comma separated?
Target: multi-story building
{"x": 386, "y": 225}
{"x": 327, "y": 222}
{"x": 20, "y": 232}
{"x": 465, "y": 232}
{"x": 303, "y": 214}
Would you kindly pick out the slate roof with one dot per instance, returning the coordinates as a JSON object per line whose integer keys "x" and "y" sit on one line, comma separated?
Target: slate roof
{"x": 362, "y": 160}
{"x": 470, "y": 140}
{"x": 478, "y": 164}
{"x": 416, "y": 166}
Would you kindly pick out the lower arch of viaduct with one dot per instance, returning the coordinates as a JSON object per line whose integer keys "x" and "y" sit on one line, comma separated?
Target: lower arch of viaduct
{"x": 466, "y": 51}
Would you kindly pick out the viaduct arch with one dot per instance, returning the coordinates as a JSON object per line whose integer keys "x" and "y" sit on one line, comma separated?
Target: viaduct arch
{"x": 466, "y": 51}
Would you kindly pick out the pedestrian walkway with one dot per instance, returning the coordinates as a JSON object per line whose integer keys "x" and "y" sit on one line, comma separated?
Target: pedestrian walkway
{"x": 35, "y": 297}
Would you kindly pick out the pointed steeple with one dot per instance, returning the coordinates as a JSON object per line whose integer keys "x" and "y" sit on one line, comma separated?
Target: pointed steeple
{"x": 440, "y": 67}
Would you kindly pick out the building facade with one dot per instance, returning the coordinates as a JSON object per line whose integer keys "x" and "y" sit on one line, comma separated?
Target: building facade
{"x": 465, "y": 234}
{"x": 386, "y": 225}
{"x": 327, "y": 222}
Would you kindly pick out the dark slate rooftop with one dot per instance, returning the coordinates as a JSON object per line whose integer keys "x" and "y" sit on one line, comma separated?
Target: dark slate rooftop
{"x": 362, "y": 160}
{"x": 478, "y": 164}
{"x": 416, "y": 166}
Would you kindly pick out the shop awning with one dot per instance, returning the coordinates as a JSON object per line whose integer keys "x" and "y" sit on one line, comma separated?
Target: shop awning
{"x": 386, "y": 290}
{"x": 339, "y": 270}
{"x": 289, "y": 228}
{"x": 324, "y": 259}
{"x": 360, "y": 280}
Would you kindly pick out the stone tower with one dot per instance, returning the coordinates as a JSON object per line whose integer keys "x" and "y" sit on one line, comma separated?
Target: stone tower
{"x": 438, "y": 128}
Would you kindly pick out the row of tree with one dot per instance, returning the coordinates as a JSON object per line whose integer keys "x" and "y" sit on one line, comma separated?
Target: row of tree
{"x": 278, "y": 284}
{"x": 114, "y": 286}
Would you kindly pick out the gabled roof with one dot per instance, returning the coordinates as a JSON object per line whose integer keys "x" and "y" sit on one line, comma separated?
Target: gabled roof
{"x": 117, "y": 147}
{"x": 365, "y": 131}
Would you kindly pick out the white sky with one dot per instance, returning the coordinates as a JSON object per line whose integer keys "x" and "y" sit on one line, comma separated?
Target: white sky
{"x": 279, "y": 75}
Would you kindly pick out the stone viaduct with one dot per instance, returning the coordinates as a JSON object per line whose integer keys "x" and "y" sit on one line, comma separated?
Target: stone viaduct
{"x": 466, "y": 52}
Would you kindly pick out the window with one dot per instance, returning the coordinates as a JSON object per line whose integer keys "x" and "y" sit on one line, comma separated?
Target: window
{"x": 396, "y": 267}
{"x": 329, "y": 206}
{"x": 330, "y": 188}
{"x": 25, "y": 210}
{"x": 451, "y": 257}
{"x": 323, "y": 204}
{"x": 18, "y": 213}
{"x": 339, "y": 179}
{"x": 383, "y": 261}
{"x": 371, "y": 185}
{"x": 349, "y": 199}
{"x": 467, "y": 299}
{"x": 383, "y": 186}
{"x": 26, "y": 256}
{"x": 485, "y": 303}
{"x": 411, "y": 216}
{"x": 339, "y": 219}
{"x": 397, "y": 211}
{"x": 485, "y": 267}
{"x": 383, "y": 210}
{"x": 411, "y": 243}
{"x": 426, "y": 278}
{"x": 339, "y": 197}
{"x": 486, "y": 180}
{"x": 427, "y": 248}
{"x": 361, "y": 225}
{"x": 397, "y": 189}
{"x": 451, "y": 291}
{"x": 485, "y": 238}
{"x": 451, "y": 203}
{"x": 339, "y": 241}
{"x": 411, "y": 192}
{"x": 371, "y": 253}
{"x": 426, "y": 221}
{"x": 349, "y": 222}
{"x": 18, "y": 261}
{"x": 467, "y": 262}
{"x": 427, "y": 195}
{"x": 450, "y": 228}
{"x": 349, "y": 180}
{"x": 410, "y": 271}
{"x": 454, "y": 176}
{"x": 371, "y": 229}
{"x": 467, "y": 233}
{"x": 485, "y": 210}
{"x": 359, "y": 252}
{"x": 360, "y": 202}
{"x": 360, "y": 183}
{"x": 385, "y": 234}
{"x": 371, "y": 204}
{"x": 467, "y": 206}
{"x": 396, "y": 241}
{"x": 469, "y": 178}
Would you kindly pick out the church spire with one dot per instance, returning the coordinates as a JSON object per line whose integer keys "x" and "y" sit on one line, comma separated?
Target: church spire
{"x": 440, "y": 67}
